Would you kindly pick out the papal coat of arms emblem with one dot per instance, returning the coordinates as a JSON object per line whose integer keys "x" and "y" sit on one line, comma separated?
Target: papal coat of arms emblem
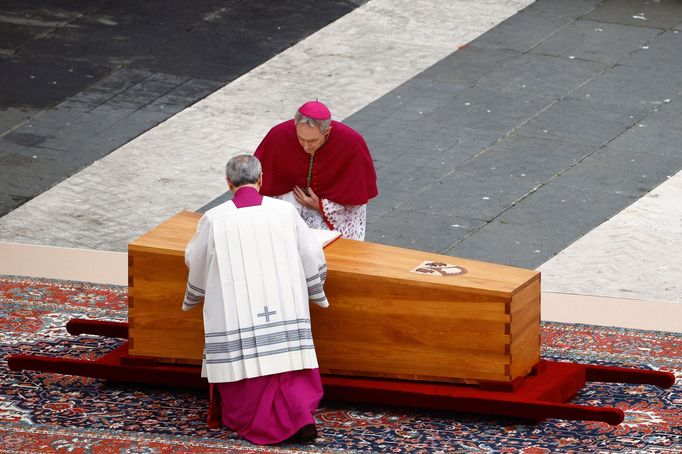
{"x": 439, "y": 269}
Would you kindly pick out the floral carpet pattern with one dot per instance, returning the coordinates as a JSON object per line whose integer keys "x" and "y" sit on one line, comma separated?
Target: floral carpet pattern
{"x": 43, "y": 412}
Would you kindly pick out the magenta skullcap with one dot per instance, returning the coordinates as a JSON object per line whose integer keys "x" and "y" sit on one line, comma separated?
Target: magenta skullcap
{"x": 315, "y": 110}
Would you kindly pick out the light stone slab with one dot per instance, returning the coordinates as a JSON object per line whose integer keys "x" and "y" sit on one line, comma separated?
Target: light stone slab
{"x": 606, "y": 311}
{"x": 636, "y": 254}
{"x": 179, "y": 164}
{"x": 100, "y": 267}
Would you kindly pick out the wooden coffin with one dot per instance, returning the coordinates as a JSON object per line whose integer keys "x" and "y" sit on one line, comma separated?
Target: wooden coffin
{"x": 384, "y": 319}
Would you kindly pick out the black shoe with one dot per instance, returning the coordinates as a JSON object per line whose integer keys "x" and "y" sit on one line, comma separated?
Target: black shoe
{"x": 305, "y": 434}
{"x": 308, "y": 433}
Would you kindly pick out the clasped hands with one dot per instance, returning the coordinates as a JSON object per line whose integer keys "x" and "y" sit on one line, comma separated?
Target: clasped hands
{"x": 307, "y": 198}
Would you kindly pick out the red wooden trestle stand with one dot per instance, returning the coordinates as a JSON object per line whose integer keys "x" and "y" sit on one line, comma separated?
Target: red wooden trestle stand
{"x": 544, "y": 393}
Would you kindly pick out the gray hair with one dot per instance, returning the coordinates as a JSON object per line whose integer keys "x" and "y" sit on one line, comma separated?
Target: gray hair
{"x": 322, "y": 124}
{"x": 243, "y": 169}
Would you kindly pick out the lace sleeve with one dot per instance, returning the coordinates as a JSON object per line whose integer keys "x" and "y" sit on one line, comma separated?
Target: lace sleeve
{"x": 350, "y": 220}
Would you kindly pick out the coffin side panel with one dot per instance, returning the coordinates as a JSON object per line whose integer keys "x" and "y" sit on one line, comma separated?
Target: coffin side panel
{"x": 158, "y": 325}
{"x": 525, "y": 329}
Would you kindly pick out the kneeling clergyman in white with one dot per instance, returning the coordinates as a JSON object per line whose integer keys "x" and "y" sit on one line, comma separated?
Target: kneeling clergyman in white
{"x": 256, "y": 266}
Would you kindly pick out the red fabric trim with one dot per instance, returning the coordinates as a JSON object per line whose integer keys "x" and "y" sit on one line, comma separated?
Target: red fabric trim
{"x": 324, "y": 217}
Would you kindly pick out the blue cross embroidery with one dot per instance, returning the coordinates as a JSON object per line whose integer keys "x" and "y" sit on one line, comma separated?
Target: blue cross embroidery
{"x": 266, "y": 314}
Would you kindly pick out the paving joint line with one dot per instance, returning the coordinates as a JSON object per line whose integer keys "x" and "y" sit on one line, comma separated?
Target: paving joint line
{"x": 544, "y": 183}
{"x": 506, "y": 135}
{"x": 52, "y": 30}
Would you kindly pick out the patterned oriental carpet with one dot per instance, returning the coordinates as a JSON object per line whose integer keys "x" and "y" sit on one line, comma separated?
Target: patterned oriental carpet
{"x": 43, "y": 412}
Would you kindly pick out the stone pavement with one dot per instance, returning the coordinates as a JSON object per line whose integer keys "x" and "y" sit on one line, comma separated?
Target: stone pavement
{"x": 545, "y": 125}
{"x": 635, "y": 254}
{"x": 179, "y": 164}
{"x": 80, "y": 79}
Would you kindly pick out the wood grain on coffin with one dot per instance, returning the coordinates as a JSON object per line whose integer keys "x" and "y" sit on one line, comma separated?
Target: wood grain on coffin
{"x": 383, "y": 320}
